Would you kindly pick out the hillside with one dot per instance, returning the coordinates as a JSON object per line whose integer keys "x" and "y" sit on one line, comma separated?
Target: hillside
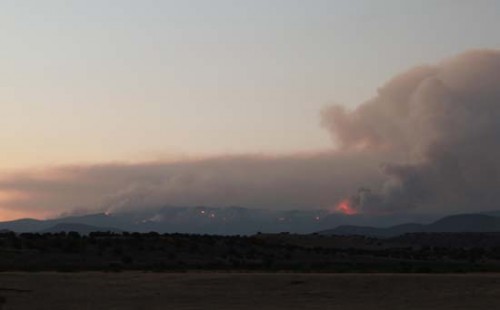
{"x": 453, "y": 223}
{"x": 215, "y": 220}
{"x": 79, "y": 228}
{"x": 423, "y": 252}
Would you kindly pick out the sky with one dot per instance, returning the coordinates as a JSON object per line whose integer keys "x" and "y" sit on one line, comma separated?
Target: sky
{"x": 124, "y": 82}
{"x": 99, "y": 81}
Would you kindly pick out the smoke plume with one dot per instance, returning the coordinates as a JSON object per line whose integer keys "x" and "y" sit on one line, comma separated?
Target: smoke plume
{"x": 285, "y": 182}
{"x": 429, "y": 140}
{"x": 441, "y": 126}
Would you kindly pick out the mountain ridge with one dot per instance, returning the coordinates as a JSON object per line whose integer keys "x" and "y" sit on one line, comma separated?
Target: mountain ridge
{"x": 247, "y": 221}
{"x": 467, "y": 222}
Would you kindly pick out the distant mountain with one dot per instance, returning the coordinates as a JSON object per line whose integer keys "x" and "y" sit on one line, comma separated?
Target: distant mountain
{"x": 491, "y": 212}
{"x": 374, "y": 231}
{"x": 77, "y": 227}
{"x": 466, "y": 223}
{"x": 448, "y": 240}
{"x": 453, "y": 223}
{"x": 214, "y": 220}
{"x": 245, "y": 221}
{"x": 24, "y": 225}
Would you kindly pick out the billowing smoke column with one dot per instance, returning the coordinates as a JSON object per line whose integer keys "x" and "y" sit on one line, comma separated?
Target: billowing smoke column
{"x": 440, "y": 128}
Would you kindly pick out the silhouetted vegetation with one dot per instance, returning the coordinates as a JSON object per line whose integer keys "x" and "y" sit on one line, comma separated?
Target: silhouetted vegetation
{"x": 270, "y": 252}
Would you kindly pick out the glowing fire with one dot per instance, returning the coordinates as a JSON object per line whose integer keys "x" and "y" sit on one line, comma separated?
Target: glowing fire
{"x": 345, "y": 207}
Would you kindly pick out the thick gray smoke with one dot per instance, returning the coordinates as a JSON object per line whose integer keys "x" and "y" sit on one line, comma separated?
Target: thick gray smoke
{"x": 441, "y": 125}
{"x": 286, "y": 182}
{"x": 428, "y": 141}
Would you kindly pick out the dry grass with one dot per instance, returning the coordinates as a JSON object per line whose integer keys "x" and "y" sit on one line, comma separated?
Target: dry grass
{"x": 137, "y": 290}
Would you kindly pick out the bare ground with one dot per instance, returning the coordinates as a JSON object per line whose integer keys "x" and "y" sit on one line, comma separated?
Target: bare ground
{"x": 138, "y": 290}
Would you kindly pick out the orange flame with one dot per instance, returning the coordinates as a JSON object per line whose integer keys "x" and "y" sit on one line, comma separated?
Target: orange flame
{"x": 345, "y": 207}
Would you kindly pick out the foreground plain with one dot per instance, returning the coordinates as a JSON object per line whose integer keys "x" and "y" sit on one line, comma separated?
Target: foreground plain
{"x": 147, "y": 290}
{"x": 410, "y": 253}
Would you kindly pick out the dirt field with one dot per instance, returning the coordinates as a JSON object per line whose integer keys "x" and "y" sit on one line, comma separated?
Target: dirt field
{"x": 137, "y": 290}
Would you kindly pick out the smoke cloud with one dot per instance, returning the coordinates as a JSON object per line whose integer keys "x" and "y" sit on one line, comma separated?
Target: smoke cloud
{"x": 441, "y": 126}
{"x": 285, "y": 182}
{"x": 429, "y": 140}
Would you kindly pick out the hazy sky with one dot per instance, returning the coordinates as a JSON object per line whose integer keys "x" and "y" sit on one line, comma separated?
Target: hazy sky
{"x": 97, "y": 81}
{"x": 98, "y": 97}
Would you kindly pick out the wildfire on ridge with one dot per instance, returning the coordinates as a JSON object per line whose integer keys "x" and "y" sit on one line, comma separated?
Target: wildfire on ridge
{"x": 345, "y": 207}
